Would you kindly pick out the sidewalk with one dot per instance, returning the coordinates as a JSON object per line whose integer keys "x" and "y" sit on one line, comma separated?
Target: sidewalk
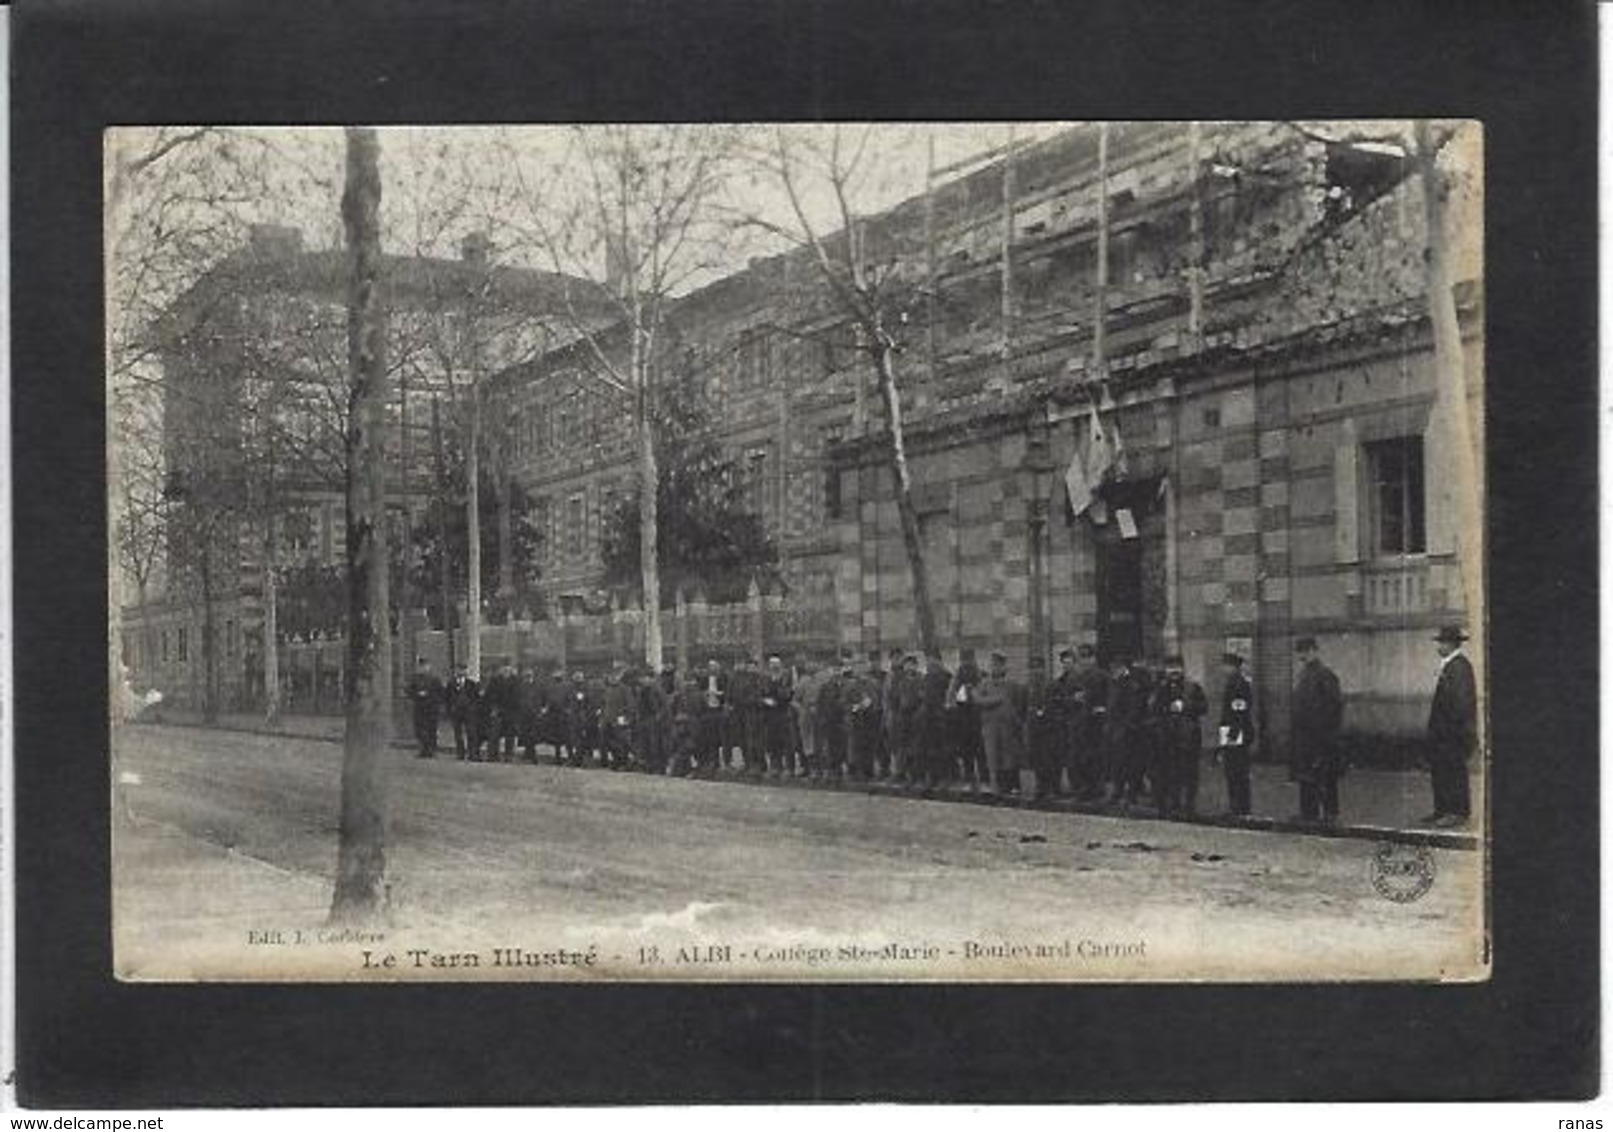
{"x": 1373, "y": 804}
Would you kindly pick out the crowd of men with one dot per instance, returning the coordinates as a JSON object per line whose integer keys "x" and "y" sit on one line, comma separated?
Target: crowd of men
{"x": 1126, "y": 733}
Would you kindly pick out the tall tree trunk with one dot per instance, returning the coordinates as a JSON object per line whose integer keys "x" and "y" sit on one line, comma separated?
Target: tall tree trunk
{"x": 444, "y": 557}
{"x": 473, "y": 534}
{"x": 367, "y": 689}
{"x": 649, "y": 476}
{"x": 506, "y": 535}
{"x": 1450, "y": 370}
{"x": 209, "y": 680}
{"x": 912, "y": 539}
{"x": 271, "y": 628}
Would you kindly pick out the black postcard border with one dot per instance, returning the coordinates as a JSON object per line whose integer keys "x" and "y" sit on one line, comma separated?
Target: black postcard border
{"x": 1526, "y": 69}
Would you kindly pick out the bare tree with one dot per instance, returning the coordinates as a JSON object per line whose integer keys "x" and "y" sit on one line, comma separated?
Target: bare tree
{"x": 361, "y": 855}
{"x": 1450, "y": 367}
{"x": 637, "y": 201}
{"x": 466, "y": 324}
{"x": 872, "y": 279}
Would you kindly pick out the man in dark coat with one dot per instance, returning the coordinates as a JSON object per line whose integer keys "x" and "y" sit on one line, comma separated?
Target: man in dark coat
{"x": 865, "y": 715}
{"x": 463, "y": 699}
{"x": 552, "y": 720}
{"x": 616, "y": 724}
{"x": 745, "y": 706}
{"x": 1316, "y": 713}
{"x": 687, "y": 710}
{"x": 582, "y": 718}
{"x": 1179, "y": 707}
{"x": 935, "y": 746}
{"x": 653, "y": 706}
{"x": 529, "y": 711}
{"x": 502, "y": 700}
{"x": 1066, "y": 705}
{"x": 1453, "y": 730}
{"x": 1091, "y": 771}
{"x": 1237, "y": 733}
{"x": 963, "y": 720}
{"x": 1124, "y": 739}
{"x": 832, "y": 723}
{"x": 905, "y": 706}
{"x": 425, "y": 693}
{"x": 713, "y": 718}
{"x": 778, "y": 730}
{"x": 1045, "y": 711}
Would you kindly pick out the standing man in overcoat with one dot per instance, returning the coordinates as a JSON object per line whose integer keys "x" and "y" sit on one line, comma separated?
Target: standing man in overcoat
{"x": 425, "y": 694}
{"x": 1453, "y": 730}
{"x": 1179, "y": 707}
{"x": 935, "y": 746}
{"x": 1002, "y": 714}
{"x": 1237, "y": 733}
{"x": 1316, "y": 717}
{"x": 464, "y": 712}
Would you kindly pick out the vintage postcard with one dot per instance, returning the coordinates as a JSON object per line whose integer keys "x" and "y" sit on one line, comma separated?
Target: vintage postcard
{"x": 1033, "y": 551}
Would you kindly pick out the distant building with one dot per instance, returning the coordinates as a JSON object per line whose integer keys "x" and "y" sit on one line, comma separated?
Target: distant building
{"x": 253, "y": 361}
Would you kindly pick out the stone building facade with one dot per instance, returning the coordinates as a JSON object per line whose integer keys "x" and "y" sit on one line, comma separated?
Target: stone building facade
{"x": 1267, "y": 369}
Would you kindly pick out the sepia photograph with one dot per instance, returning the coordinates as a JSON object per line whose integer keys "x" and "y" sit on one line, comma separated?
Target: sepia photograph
{"x": 1031, "y": 551}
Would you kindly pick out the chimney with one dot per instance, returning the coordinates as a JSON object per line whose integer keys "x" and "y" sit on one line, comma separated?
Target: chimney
{"x": 280, "y": 241}
{"x": 474, "y": 248}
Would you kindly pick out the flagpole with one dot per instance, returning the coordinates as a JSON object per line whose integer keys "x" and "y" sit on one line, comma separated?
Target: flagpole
{"x": 1100, "y": 298}
{"x": 1008, "y": 248}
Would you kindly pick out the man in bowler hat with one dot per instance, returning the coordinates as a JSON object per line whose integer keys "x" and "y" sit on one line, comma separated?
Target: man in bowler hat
{"x": 1237, "y": 734}
{"x": 1453, "y": 730}
{"x": 1316, "y": 717}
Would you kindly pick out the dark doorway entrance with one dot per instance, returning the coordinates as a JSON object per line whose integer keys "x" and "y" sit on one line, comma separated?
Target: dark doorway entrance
{"x": 1130, "y": 572}
{"x": 1120, "y": 598}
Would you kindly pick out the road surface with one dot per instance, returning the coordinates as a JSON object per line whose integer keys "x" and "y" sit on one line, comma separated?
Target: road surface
{"x": 225, "y": 843}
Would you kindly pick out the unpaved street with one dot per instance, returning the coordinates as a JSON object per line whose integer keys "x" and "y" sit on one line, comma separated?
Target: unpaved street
{"x": 225, "y": 845}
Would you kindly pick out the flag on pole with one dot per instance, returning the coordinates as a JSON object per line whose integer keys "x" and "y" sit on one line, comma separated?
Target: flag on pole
{"x": 1088, "y": 470}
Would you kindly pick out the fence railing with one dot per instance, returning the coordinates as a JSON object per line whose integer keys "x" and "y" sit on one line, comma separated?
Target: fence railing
{"x": 311, "y": 671}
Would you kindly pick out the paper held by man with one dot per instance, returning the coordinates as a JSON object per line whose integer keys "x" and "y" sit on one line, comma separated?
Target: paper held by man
{"x": 872, "y": 552}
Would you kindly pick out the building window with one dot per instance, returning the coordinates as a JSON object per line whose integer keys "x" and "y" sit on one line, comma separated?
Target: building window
{"x": 540, "y": 520}
{"x": 1395, "y": 471}
{"x": 755, "y": 484}
{"x": 229, "y": 637}
{"x": 184, "y": 644}
{"x": 607, "y": 511}
{"x": 831, "y": 493}
{"x": 576, "y": 518}
{"x": 755, "y": 368}
{"x": 165, "y": 646}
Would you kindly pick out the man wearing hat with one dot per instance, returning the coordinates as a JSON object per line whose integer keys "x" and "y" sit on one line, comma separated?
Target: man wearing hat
{"x": 1045, "y": 728}
{"x": 832, "y": 722}
{"x": 425, "y": 694}
{"x": 461, "y": 697}
{"x": 1086, "y": 739}
{"x": 905, "y": 704}
{"x": 935, "y": 745}
{"x": 1002, "y": 713}
{"x": 1124, "y": 738}
{"x": 963, "y": 719}
{"x": 1237, "y": 733}
{"x": 1453, "y": 730}
{"x": 860, "y": 692}
{"x": 1316, "y": 716}
{"x": 1178, "y": 708}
